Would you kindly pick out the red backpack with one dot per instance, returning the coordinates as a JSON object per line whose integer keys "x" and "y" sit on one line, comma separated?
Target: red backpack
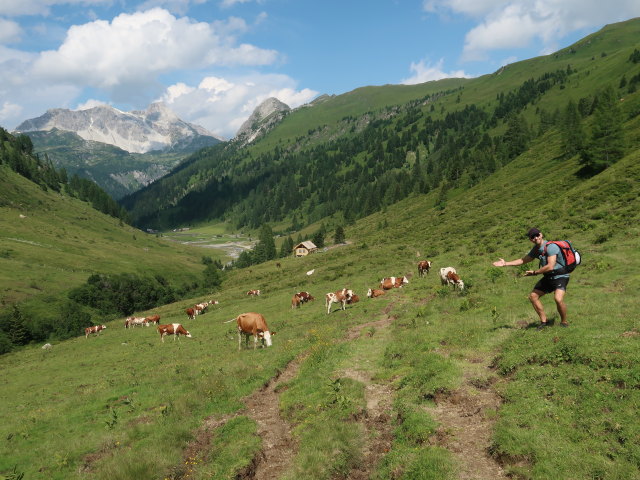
{"x": 572, "y": 257}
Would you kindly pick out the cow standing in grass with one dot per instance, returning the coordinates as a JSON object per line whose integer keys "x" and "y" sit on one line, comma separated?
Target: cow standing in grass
{"x": 253, "y": 324}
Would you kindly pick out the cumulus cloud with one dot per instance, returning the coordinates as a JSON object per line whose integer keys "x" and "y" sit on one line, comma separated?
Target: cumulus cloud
{"x": 424, "y": 71}
{"x": 221, "y": 105}
{"x": 126, "y": 53}
{"x": 505, "y": 24}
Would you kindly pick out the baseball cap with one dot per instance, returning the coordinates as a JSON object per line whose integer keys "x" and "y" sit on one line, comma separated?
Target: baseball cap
{"x": 533, "y": 232}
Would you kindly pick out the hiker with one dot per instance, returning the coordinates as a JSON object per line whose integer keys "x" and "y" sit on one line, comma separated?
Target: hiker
{"x": 550, "y": 260}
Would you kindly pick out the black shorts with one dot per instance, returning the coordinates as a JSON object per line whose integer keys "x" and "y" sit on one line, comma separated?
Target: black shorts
{"x": 551, "y": 284}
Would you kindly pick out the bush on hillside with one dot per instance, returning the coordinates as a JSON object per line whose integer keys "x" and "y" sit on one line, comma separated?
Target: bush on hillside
{"x": 123, "y": 294}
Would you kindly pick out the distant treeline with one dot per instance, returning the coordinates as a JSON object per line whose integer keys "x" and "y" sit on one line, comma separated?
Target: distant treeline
{"x": 17, "y": 153}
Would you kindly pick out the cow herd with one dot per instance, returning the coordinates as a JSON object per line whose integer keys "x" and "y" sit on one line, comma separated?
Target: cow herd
{"x": 255, "y": 324}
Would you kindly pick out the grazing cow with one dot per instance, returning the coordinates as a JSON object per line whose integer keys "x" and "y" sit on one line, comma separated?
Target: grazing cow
{"x": 388, "y": 283}
{"x": 305, "y": 297}
{"x": 253, "y": 324}
{"x": 191, "y": 313}
{"x": 174, "y": 329}
{"x": 295, "y": 301}
{"x": 153, "y": 319}
{"x": 423, "y": 266}
{"x": 95, "y": 329}
{"x": 455, "y": 280}
{"x": 443, "y": 274}
{"x": 200, "y": 308}
{"x": 136, "y": 321}
{"x": 255, "y": 293}
{"x": 213, "y": 302}
{"x": 373, "y": 293}
{"x": 341, "y": 297}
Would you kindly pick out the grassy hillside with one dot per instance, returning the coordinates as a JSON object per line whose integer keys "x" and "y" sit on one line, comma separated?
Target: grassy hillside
{"x": 124, "y": 405}
{"x": 51, "y": 242}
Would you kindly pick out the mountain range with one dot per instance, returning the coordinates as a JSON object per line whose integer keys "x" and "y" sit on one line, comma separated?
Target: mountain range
{"x": 120, "y": 151}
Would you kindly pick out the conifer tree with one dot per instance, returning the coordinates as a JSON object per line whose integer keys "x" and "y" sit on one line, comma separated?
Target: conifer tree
{"x": 607, "y": 143}
{"x": 573, "y": 135}
{"x": 338, "y": 237}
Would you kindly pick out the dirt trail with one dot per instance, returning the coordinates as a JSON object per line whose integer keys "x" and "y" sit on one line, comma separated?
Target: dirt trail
{"x": 465, "y": 426}
{"x": 278, "y": 445}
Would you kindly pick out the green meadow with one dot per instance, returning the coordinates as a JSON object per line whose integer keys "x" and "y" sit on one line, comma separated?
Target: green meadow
{"x": 126, "y": 405}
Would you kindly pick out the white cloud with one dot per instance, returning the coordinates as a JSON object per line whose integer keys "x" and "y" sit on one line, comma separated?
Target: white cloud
{"x": 9, "y": 110}
{"x": 134, "y": 49}
{"x": 222, "y": 105}
{"x": 426, "y": 72}
{"x": 10, "y": 32}
{"x": 507, "y": 24}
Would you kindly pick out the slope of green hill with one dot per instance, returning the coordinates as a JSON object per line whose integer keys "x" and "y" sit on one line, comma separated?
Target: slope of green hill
{"x": 135, "y": 407}
{"x": 51, "y": 242}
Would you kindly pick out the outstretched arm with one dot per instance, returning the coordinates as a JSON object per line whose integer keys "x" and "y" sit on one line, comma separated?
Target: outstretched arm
{"x": 513, "y": 263}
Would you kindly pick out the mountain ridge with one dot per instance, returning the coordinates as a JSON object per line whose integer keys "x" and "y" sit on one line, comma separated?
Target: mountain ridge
{"x": 139, "y": 131}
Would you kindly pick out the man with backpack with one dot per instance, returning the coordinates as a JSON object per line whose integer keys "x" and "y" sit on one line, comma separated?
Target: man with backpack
{"x": 555, "y": 270}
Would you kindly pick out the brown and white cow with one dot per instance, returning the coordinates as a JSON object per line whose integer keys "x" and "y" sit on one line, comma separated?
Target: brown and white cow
{"x": 374, "y": 292}
{"x": 252, "y": 323}
{"x": 305, "y": 297}
{"x": 449, "y": 276}
{"x": 388, "y": 283}
{"x": 153, "y": 319}
{"x": 354, "y": 299}
{"x": 443, "y": 274}
{"x": 174, "y": 329}
{"x": 191, "y": 313}
{"x": 95, "y": 329}
{"x": 423, "y": 266}
{"x": 255, "y": 293}
{"x": 136, "y": 322}
{"x": 455, "y": 280}
{"x": 200, "y": 308}
{"x": 341, "y": 297}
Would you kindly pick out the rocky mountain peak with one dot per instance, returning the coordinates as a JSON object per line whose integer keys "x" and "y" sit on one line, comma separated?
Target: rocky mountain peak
{"x": 265, "y": 116}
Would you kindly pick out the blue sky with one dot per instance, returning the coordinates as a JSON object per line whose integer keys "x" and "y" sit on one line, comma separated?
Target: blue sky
{"x": 214, "y": 61}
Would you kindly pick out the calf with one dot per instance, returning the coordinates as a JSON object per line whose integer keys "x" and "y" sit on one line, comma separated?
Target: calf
{"x": 341, "y": 296}
{"x": 443, "y": 274}
{"x": 455, "y": 280}
{"x": 423, "y": 266}
{"x": 253, "y": 324}
{"x": 388, "y": 283}
{"x": 255, "y": 293}
{"x": 174, "y": 329}
{"x": 95, "y": 329}
{"x": 354, "y": 299}
{"x": 373, "y": 293}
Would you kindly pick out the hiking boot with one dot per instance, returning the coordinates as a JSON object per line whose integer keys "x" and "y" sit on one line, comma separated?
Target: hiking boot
{"x": 542, "y": 326}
